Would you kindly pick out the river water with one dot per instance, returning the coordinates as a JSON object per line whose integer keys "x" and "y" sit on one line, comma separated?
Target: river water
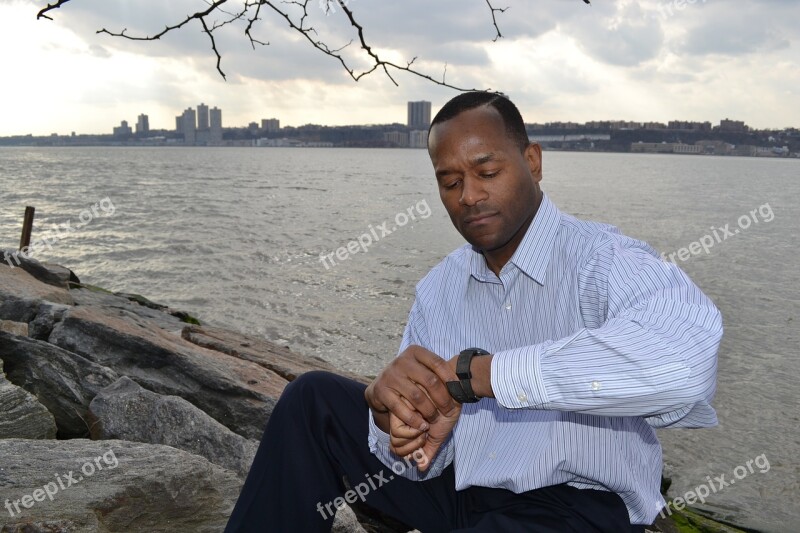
{"x": 234, "y": 236}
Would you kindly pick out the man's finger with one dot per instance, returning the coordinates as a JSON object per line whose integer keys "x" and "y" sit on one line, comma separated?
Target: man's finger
{"x": 410, "y": 417}
{"x": 408, "y": 447}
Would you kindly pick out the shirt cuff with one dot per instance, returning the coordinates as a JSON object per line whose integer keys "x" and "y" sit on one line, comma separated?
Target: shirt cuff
{"x": 378, "y": 439}
{"x": 517, "y": 378}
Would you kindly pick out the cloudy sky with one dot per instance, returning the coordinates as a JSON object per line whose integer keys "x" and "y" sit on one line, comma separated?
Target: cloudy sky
{"x": 558, "y": 60}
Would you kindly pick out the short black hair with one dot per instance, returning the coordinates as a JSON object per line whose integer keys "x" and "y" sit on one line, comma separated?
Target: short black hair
{"x": 515, "y": 127}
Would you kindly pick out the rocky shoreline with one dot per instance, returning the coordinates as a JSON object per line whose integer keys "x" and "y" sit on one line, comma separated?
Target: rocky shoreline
{"x": 118, "y": 414}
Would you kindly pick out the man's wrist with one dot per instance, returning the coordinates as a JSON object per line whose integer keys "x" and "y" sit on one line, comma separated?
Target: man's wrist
{"x": 482, "y": 376}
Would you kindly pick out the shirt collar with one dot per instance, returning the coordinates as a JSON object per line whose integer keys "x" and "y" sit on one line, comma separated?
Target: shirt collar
{"x": 534, "y": 251}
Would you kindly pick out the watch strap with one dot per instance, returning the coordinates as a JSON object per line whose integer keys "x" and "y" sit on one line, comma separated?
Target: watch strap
{"x": 461, "y": 390}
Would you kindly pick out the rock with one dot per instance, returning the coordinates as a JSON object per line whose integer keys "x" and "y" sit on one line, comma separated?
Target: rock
{"x": 64, "y": 382}
{"x": 280, "y": 360}
{"x": 237, "y": 393}
{"x": 17, "y": 284}
{"x": 345, "y": 521}
{"x": 47, "y": 315}
{"x": 112, "y": 486}
{"x": 126, "y": 411}
{"x": 55, "y": 275}
{"x": 123, "y": 304}
{"x": 15, "y": 328}
{"x": 21, "y": 415}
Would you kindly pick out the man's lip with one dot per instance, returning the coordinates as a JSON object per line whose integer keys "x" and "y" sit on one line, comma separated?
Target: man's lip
{"x": 478, "y": 218}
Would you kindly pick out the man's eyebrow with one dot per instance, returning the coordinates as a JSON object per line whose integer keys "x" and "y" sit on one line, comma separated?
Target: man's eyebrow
{"x": 483, "y": 158}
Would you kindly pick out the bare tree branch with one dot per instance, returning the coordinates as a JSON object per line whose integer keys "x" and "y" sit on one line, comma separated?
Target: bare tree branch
{"x": 42, "y": 12}
{"x": 494, "y": 19}
{"x": 250, "y": 11}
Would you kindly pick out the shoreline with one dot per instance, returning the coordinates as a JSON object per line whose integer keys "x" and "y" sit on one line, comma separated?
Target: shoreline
{"x": 87, "y": 363}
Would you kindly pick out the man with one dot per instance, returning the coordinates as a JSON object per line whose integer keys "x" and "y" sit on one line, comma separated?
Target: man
{"x": 536, "y": 361}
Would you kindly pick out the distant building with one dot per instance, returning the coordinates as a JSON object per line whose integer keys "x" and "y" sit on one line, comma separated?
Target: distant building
{"x": 123, "y": 130}
{"x": 202, "y": 117}
{"x": 270, "y": 125}
{"x": 179, "y": 124}
{"x": 418, "y": 139}
{"x": 396, "y": 139}
{"x": 142, "y": 124}
{"x": 215, "y": 131}
{"x": 734, "y": 126}
{"x": 419, "y": 115}
{"x": 189, "y": 126}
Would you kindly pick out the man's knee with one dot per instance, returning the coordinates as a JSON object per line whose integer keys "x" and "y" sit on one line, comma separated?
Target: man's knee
{"x": 312, "y": 387}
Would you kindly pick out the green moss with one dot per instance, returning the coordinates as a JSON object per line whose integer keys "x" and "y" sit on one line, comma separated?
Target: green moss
{"x": 186, "y": 317}
{"x": 92, "y": 288}
{"x": 687, "y": 520}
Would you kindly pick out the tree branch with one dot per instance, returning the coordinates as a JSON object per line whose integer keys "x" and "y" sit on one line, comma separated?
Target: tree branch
{"x": 494, "y": 19}
{"x": 251, "y": 10}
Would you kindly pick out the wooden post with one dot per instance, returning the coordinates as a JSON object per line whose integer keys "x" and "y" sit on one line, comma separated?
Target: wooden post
{"x": 27, "y": 227}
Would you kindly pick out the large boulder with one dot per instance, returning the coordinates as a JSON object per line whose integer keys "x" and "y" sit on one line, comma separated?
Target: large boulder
{"x": 239, "y": 394}
{"x": 21, "y": 415}
{"x": 55, "y": 275}
{"x": 126, "y": 411}
{"x": 279, "y": 359}
{"x": 17, "y": 284}
{"x": 84, "y": 486}
{"x": 64, "y": 382}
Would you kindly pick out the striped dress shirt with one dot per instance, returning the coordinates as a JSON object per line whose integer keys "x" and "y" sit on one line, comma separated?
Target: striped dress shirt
{"x": 596, "y": 342}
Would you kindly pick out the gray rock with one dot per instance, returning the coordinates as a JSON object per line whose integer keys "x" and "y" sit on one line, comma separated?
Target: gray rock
{"x": 55, "y": 275}
{"x": 238, "y": 394}
{"x": 346, "y": 521}
{"x": 117, "y": 486}
{"x": 18, "y": 285}
{"x": 47, "y": 315}
{"x": 122, "y": 304}
{"x": 126, "y": 411}
{"x": 64, "y": 382}
{"x": 21, "y": 415}
{"x": 17, "y": 309}
{"x": 279, "y": 359}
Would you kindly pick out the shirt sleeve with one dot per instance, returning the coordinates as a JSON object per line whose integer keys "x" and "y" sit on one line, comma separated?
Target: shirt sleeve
{"x": 654, "y": 355}
{"x": 415, "y": 333}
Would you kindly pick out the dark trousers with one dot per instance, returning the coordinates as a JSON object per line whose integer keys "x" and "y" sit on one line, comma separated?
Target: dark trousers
{"x": 316, "y": 438}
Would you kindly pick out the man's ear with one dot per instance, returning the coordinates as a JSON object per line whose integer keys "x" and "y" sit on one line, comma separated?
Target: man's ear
{"x": 533, "y": 156}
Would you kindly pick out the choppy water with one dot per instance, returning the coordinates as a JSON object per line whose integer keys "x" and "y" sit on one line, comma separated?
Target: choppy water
{"x": 234, "y": 236}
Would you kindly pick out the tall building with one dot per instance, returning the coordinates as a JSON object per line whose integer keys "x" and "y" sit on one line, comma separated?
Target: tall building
{"x": 179, "y": 123}
{"x": 123, "y": 130}
{"x": 270, "y": 125}
{"x": 189, "y": 126}
{"x": 215, "y": 135}
{"x": 419, "y": 115}
{"x": 142, "y": 124}
{"x": 202, "y": 117}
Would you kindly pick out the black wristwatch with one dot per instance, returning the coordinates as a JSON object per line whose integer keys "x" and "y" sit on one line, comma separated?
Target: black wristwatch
{"x": 461, "y": 391}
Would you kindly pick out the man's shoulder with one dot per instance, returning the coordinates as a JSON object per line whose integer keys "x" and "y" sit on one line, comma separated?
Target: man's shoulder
{"x": 589, "y": 238}
{"x": 454, "y": 266}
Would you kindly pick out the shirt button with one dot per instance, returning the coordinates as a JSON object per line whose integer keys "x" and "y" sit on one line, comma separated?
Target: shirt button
{"x": 492, "y": 456}
{"x": 522, "y": 397}
{"x": 596, "y": 385}
{"x": 508, "y": 306}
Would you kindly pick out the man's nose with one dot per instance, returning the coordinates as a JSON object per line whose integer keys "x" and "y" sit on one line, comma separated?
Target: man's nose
{"x": 472, "y": 191}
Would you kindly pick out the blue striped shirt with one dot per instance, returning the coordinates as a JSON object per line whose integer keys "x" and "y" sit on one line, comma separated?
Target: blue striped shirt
{"x": 596, "y": 342}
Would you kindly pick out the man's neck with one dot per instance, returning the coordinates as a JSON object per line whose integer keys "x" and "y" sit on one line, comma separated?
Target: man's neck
{"x": 497, "y": 259}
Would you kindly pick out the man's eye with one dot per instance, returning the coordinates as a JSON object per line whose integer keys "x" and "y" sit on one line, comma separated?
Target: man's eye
{"x": 490, "y": 174}
{"x": 451, "y": 185}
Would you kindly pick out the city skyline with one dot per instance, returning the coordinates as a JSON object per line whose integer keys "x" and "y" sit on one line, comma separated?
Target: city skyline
{"x": 653, "y": 60}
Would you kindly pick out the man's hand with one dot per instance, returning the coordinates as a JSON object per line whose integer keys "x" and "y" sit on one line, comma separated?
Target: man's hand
{"x": 416, "y": 375}
{"x": 423, "y": 447}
